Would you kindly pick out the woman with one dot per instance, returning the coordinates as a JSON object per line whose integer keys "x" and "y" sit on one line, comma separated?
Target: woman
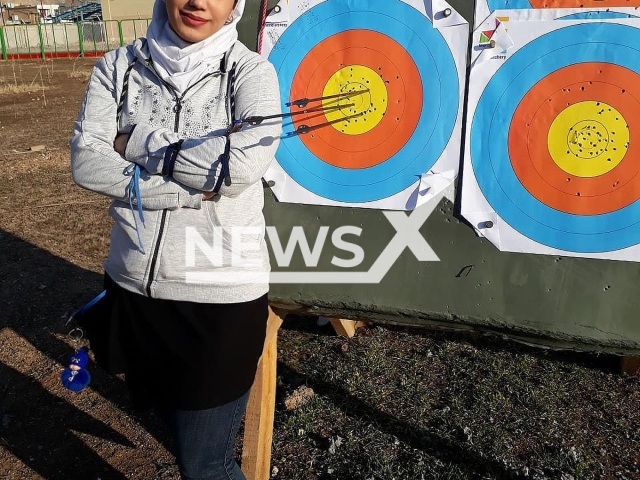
{"x": 161, "y": 132}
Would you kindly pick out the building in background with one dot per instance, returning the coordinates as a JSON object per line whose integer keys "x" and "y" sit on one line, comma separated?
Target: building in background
{"x": 16, "y": 13}
{"x": 126, "y": 9}
{"x": 47, "y": 12}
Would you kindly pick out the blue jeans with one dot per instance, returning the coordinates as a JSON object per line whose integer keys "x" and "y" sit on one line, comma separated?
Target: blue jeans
{"x": 204, "y": 441}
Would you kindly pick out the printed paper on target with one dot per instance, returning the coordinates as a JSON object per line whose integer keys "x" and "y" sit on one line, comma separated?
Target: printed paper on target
{"x": 550, "y": 161}
{"x": 553, "y": 9}
{"x": 596, "y": 13}
{"x": 375, "y": 91}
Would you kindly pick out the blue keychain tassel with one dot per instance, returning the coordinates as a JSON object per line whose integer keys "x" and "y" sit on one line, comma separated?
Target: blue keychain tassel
{"x": 76, "y": 377}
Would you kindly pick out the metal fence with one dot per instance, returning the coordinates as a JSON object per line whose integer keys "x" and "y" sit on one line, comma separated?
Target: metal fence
{"x": 63, "y": 40}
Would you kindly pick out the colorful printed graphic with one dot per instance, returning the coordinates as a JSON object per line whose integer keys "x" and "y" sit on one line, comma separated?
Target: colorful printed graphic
{"x": 486, "y": 35}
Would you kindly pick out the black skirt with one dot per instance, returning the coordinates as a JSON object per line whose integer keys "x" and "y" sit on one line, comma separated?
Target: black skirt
{"x": 178, "y": 354}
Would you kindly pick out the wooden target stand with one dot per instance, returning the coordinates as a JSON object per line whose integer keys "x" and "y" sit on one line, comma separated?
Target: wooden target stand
{"x": 260, "y": 412}
{"x": 630, "y": 365}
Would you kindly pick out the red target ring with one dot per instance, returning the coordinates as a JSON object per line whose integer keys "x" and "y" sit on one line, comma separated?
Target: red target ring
{"x": 391, "y": 61}
{"x": 583, "y": 3}
{"x": 529, "y": 152}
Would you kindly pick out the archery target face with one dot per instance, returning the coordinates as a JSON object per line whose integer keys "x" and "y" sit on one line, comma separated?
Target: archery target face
{"x": 484, "y": 7}
{"x": 390, "y": 108}
{"x": 545, "y": 10}
{"x": 394, "y": 98}
{"x": 565, "y": 171}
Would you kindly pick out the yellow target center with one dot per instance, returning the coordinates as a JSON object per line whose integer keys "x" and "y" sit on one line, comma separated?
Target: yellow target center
{"x": 588, "y": 139}
{"x": 359, "y": 102}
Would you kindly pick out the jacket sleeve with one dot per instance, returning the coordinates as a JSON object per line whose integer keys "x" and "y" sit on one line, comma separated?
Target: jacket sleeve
{"x": 197, "y": 164}
{"x": 96, "y": 166}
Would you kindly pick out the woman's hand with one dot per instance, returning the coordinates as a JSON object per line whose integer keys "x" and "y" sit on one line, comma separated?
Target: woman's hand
{"x": 120, "y": 145}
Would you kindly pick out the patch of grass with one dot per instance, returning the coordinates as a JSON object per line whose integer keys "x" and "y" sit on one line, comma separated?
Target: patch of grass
{"x": 80, "y": 74}
{"x": 408, "y": 404}
{"x": 9, "y": 89}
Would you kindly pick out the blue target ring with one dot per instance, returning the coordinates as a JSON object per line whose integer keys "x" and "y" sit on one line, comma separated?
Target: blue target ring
{"x": 596, "y": 15}
{"x": 508, "y": 4}
{"x": 489, "y": 139}
{"x": 525, "y": 5}
{"x": 433, "y": 58}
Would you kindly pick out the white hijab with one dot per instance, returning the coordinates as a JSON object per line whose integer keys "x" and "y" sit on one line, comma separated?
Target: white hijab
{"x": 179, "y": 63}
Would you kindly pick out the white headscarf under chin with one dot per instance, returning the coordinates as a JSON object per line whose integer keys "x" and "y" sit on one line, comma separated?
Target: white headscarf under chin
{"x": 179, "y": 63}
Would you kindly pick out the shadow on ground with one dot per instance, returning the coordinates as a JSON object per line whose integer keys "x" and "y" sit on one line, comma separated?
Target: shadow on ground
{"x": 38, "y": 291}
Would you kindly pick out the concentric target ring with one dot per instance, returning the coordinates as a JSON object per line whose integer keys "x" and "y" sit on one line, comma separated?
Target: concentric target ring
{"x": 594, "y": 180}
{"x": 597, "y": 15}
{"x": 361, "y": 167}
{"x": 527, "y": 4}
{"x": 392, "y": 66}
{"x": 582, "y": 3}
{"x": 586, "y": 227}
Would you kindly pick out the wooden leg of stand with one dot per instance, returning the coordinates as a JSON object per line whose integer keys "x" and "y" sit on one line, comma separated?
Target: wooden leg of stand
{"x": 630, "y": 365}
{"x": 346, "y": 328}
{"x": 258, "y": 427}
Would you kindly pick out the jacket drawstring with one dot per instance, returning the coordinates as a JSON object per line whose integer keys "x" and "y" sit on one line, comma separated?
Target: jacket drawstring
{"x": 132, "y": 170}
{"x": 133, "y": 191}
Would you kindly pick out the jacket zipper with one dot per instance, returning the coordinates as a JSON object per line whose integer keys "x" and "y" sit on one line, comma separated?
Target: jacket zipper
{"x": 176, "y": 126}
{"x": 177, "y": 109}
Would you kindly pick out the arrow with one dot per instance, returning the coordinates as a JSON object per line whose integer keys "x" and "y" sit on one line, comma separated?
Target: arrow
{"x": 303, "y": 102}
{"x": 303, "y": 129}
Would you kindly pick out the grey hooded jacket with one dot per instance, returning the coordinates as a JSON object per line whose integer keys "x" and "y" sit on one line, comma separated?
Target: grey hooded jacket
{"x": 193, "y": 250}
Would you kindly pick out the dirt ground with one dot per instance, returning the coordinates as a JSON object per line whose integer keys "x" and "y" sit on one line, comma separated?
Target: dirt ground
{"x": 391, "y": 403}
